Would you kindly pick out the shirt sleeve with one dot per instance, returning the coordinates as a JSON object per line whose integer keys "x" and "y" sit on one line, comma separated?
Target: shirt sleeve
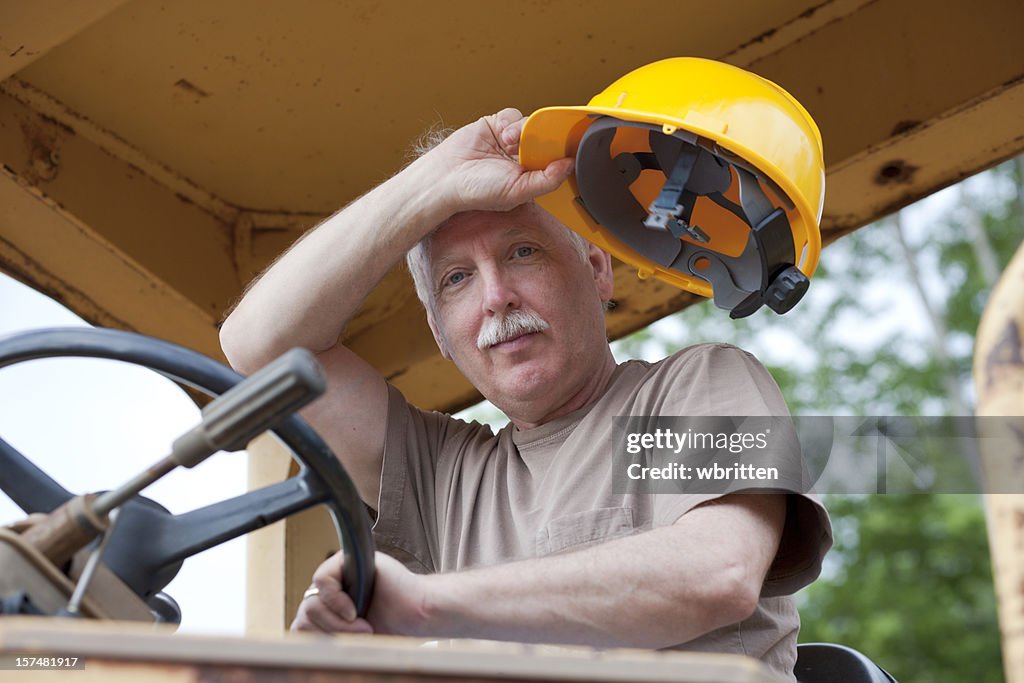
{"x": 724, "y": 380}
{"x": 417, "y": 476}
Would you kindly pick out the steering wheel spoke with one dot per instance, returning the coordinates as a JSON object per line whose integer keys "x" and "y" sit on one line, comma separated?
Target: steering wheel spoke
{"x": 193, "y": 532}
{"x": 29, "y": 487}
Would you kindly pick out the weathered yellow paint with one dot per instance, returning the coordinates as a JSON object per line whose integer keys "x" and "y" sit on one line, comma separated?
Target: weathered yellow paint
{"x": 999, "y": 383}
{"x": 89, "y": 274}
{"x": 202, "y": 139}
{"x": 29, "y": 30}
{"x": 135, "y": 204}
{"x": 281, "y": 558}
{"x": 265, "y": 609}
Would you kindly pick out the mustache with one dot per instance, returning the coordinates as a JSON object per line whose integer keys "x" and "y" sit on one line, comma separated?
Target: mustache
{"x": 508, "y": 326}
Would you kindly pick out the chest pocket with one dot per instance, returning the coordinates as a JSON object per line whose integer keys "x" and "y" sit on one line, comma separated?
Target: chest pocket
{"x": 582, "y": 529}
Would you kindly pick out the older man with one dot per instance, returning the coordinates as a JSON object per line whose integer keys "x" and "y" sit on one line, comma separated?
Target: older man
{"x": 519, "y": 535}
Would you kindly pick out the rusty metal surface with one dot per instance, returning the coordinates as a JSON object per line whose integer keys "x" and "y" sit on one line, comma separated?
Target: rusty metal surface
{"x": 195, "y": 140}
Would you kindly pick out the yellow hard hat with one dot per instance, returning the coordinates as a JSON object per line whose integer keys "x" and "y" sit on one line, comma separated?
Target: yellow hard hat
{"x": 696, "y": 172}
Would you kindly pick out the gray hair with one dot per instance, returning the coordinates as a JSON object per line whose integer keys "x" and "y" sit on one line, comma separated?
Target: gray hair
{"x": 428, "y": 140}
{"x": 417, "y": 259}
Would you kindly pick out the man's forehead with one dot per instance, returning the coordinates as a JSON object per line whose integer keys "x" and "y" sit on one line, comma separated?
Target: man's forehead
{"x": 461, "y": 230}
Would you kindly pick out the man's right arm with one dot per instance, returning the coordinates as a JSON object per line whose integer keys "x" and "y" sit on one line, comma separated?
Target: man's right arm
{"x": 308, "y": 296}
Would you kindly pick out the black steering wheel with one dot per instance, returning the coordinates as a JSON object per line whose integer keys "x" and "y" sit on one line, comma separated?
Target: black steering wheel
{"x": 149, "y": 543}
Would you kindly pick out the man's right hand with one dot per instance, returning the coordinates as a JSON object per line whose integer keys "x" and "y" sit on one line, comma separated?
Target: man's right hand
{"x": 479, "y": 167}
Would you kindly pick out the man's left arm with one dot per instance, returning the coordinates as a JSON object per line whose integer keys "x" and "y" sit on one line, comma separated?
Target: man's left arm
{"x": 654, "y": 589}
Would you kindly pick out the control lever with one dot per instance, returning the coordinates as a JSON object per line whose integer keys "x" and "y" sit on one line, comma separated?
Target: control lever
{"x": 228, "y": 423}
{"x": 74, "y": 605}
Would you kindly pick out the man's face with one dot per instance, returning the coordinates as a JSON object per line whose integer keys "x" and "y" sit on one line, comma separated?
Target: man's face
{"x": 488, "y": 265}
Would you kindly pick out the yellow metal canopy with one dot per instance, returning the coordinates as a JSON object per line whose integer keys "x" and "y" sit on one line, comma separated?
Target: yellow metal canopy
{"x": 157, "y": 154}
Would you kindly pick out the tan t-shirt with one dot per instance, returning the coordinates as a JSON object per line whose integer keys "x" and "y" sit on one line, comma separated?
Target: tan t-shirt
{"x": 454, "y": 495}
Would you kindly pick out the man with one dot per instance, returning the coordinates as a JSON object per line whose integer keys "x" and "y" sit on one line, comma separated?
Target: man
{"x": 520, "y": 535}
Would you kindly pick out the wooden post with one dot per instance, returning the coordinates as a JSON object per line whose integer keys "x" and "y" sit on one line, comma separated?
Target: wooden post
{"x": 999, "y": 383}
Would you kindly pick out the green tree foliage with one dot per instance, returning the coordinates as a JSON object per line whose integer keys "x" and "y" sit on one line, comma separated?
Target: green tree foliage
{"x": 909, "y": 583}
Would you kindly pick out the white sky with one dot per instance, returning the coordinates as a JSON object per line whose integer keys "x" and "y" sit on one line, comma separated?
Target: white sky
{"x": 93, "y": 424}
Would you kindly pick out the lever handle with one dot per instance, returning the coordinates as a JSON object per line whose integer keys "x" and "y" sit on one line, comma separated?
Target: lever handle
{"x": 252, "y": 407}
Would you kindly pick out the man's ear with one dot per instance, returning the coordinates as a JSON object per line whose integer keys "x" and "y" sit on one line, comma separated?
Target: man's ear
{"x": 438, "y": 337}
{"x": 601, "y": 264}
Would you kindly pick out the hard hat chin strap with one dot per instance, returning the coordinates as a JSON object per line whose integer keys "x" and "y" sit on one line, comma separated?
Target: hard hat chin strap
{"x": 764, "y": 273}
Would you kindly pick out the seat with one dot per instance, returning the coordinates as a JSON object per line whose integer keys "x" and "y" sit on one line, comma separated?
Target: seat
{"x": 831, "y": 663}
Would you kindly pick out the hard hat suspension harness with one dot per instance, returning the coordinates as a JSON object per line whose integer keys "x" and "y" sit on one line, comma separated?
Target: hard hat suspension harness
{"x": 765, "y": 271}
